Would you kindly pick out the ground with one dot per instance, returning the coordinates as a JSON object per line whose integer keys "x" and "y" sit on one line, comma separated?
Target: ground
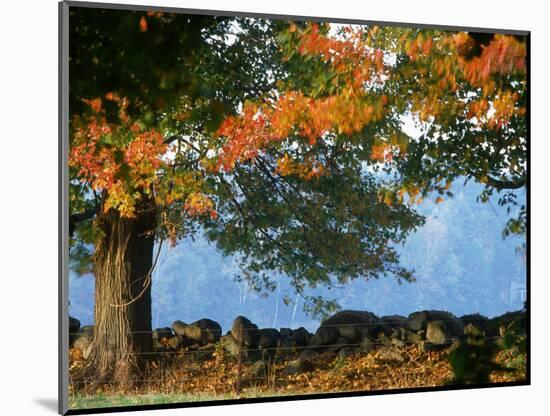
{"x": 181, "y": 377}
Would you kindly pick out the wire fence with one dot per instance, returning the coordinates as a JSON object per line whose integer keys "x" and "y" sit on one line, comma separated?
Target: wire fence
{"x": 167, "y": 369}
{"x": 390, "y": 342}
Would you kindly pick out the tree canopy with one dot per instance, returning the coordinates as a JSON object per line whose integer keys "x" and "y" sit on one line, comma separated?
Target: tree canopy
{"x": 287, "y": 141}
{"x": 359, "y": 87}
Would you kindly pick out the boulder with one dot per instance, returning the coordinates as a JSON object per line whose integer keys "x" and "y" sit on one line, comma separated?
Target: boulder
{"x": 74, "y": 325}
{"x": 268, "y": 338}
{"x": 179, "y": 328}
{"x": 308, "y": 354}
{"x": 418, "y": 321}
{"x": 406, "y": 335}
{"x": 88, "y": 329}
{"x": 175, "y": 343}
{"x": 287, "y": 346}
{"x": 201, "y": 332}
{"x": 472, "y": 330}
{"x": 243, "y": 330}
{"x": 84, "y": 338}
{"x": 441, "y": 332}
{"x": 383, "y": 339}
{"x": 367, "y": 345}
{"x": 479, "y": 321}
{"x": 285, "y": 332}
{"x": 515, "y": 322}
{"x": 338, "y": 345}
{"x": 427, "y": 346}
{"x": 257, "y": 370}
{"x": 297, "y": 366}
{"x": 388, "y": 354}
{"x": 398, "y": 342}
{"x": 162, "y": 333}
{"x": 230, "y": 345}
{"x": 87, "y": 351}
{"x": 351, "y": 325}
{"x": 301, "y": 336}
{"x": 346, "y": 352}
{"x": 393, "y": 321}
{"x": 204, "y": 353}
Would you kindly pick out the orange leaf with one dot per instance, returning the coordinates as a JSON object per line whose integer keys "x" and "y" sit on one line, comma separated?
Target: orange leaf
{"x": 143, "y": 24}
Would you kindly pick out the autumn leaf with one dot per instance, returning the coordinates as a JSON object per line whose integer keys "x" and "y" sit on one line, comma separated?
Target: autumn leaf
{"x": 143, "y": 24}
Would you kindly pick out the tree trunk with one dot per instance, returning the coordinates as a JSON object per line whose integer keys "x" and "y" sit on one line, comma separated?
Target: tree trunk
{"x": 123, "y": 260}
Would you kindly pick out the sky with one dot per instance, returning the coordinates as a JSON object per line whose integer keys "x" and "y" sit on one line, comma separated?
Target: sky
{"x": 461, "y": 262}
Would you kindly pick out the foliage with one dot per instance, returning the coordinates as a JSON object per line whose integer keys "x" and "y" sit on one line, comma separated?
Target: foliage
{"x": 357, "y": 87}
{"x": 179, "y": 376}
{"x": 284, "y": 141}
{"x": 140, "y": 130}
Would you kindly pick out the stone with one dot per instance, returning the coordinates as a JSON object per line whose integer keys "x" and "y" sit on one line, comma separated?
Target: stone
{"x": 269, "y": 338}
{"x": 287, "y": 346}
{"x": 301, "y": 336}
{"x": 243, "y": 330}
{"x": 351, "y": 325}
{"x": 83, "y": 339}
{"x": 88, "y": 329}
{"x": 308, "y": 354}
{"x": 398, "y": 342}
{"x": 346, "y": 352}
{"x": 472, "y": 330}
{"x": 426, "y": 346}
{"x": 230, "y": 345}
{"x": 514, "y": 322}
{"x": 175, "y": 343}
{"x": 74, "y": 325}
{"x": 285, "y": 332}
{"x": 393, "y": 321}
{"x": 86, "y": 352}
{"x": 383, "y": 339}
{"x": 444, "y": 331}
{"x": 338, "y": 345}
{"x": 257, "y": 370}
{"x": 367, "y": 345}
{"x": 456, "y": 344}
{"x": 203, "y": 331}
{"x": 179, "y": 328}
{"x": 410, "y": 336}
{"x": 160, "y": 333}
{"x": 417, "y": 321}
{"x": 204, "y": 353}
{"x": 296, "y": 367}
{"x": 479, "y": 321}
{"x": 390, "y": 355}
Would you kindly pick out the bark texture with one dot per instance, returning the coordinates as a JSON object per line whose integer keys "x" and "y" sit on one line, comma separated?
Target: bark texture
{"x": 123, "y": 260}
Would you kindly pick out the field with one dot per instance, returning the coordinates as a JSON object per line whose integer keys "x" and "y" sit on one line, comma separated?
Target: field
{"x": 185, "y": 378}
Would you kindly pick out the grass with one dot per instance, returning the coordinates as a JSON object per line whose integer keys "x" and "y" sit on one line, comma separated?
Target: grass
{"x": 108, "y": 400}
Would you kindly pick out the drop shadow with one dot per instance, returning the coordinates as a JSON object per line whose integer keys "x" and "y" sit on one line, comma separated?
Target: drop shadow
{"x": 47, "y": 403}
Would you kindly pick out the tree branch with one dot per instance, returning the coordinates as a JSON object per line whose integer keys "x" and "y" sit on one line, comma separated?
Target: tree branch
{"x": 74, "y": 219}
{"x": 506, "y": 184}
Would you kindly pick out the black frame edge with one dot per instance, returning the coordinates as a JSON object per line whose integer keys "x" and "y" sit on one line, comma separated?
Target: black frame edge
{"x": 63, "y": 209}
{"x": 182, "y": 10}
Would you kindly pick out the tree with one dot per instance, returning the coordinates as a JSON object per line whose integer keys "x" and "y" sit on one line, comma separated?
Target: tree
{"x": 466, "y": 93}
{"x": 283, "y": 143}
{"x": 143, "y": 87}
{"x": 148, "y": 94}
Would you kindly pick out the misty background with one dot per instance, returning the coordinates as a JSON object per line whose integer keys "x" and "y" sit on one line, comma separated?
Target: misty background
{"x": 461, "y": 262}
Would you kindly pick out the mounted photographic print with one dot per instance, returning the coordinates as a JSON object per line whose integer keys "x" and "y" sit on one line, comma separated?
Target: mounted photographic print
{"x": 266, "y": 208}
